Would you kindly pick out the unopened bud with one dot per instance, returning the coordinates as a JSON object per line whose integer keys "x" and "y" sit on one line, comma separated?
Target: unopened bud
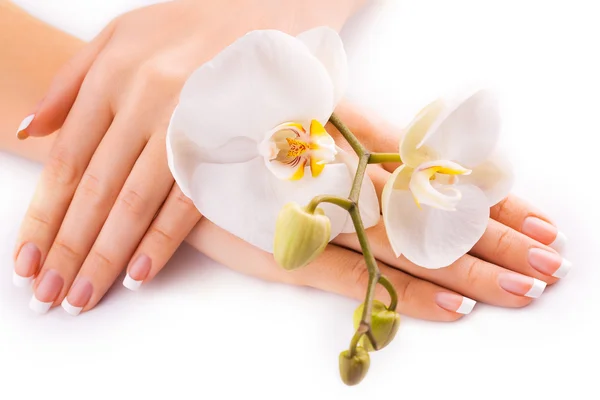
{"x": 300, "y": 236}
{"x": 384, "y": 325}
{"x": 354, "y": 369}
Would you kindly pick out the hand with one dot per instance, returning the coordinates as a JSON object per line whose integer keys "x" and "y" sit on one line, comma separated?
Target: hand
{"x": 106, "y": 197}
{"x": 508, "y": 267}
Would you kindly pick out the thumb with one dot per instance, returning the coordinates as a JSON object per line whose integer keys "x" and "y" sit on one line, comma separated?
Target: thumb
{"x": 51, "y": 112}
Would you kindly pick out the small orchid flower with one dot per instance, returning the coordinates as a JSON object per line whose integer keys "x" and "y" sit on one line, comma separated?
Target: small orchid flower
{"x": 436, "y": 205}
{"x": 248, "y": 134}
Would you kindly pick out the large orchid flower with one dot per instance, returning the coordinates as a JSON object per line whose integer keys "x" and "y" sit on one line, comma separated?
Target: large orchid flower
{"x": 248, "y": 134}
{"x": 436, "y": 205}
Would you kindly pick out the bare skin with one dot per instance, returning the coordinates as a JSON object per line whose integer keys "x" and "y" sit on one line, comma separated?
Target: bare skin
{"x": 104, "y": 110}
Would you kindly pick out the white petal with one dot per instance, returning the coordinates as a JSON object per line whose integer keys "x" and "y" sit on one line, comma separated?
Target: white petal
{"x": 325, "y": 44}
{"x": 368, "y": 202}
{"x": 245, "y": 198}
{"x": 434, "y": 238}
{"x": 263, "y": 79}
{"x": 412, "y": 150}
{"x": 494, "y": 177}
{"x": 184, "y": 155}
{"x": 469, "y": 132}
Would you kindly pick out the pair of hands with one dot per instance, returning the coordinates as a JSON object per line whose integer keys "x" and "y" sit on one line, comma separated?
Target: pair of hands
{"x": 107, "y": 202}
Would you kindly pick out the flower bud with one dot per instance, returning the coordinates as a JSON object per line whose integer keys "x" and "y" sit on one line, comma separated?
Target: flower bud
{"x": 354, "y": 369}
{"x": 300, "y": 236}
{"x": 384, "y": 325}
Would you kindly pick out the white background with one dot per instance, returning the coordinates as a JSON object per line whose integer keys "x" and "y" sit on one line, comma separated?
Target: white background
{"x": 202, "y": 331}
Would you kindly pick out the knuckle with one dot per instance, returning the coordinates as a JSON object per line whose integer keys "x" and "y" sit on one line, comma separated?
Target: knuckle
{"x": 502, "y": 210}
{"x": 183, "y": 201}
{"x": 60, "y": 167}
{"x": 133, "y": 202}
{"x": 406, "y": 290}
{"x": 473, "y": 275}
{"x": 359, "y": 272}
{"x": 504, "y": 244}
{"x": 99, "y": 260}
{"x": 160, "y": 236}
{"x": 90, "y": 186}
{"x": 66, "y": 250}
{"x": 37, "y": 217}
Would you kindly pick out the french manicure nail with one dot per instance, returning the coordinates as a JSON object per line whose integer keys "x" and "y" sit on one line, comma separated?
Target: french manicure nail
{"x": 454, "y": 302}
{"x": 560, "y": 242}
{"x": 26, "y": 265}
{"x": 22, "y": 130}
{"x": 540, "y": 230}
{"x": 21, "y": 281}
{"x": 549, "y": 263}
{"x": 47, "y": 291}
{"x": 137, "y": 272}
{"x": 521, "y": 285}
{"x": 78, "y": 297}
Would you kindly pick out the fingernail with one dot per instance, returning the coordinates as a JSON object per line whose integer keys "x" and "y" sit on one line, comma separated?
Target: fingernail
{"x": 26, "y": 265}
{"x": 540, "y": 230}
{"x": 454, "y": 302}
{"x": 560, "y": 242}
{"x": 521, "y": 285}
{"x": 79, "y": 295}
{"x": 549, "y": 263}
{"x": 22, "y": 130}
{"x": 137, "y": 272}
{"x": 46, "y": 292}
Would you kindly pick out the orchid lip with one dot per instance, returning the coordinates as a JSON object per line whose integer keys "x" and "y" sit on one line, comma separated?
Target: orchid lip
{"x": 289, "y": 148}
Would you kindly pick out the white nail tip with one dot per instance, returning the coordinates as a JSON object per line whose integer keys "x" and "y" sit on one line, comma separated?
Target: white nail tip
{"x": 466, "y": 306}
{"x": 39, "y": 306}
{"x": 25, "y": 123}
{"x": 536, "y": 289}
{"x": 563, "y": 270}
{"x": 560, "y": 241}
{"x": 21, "y": 281}
{"x": 70, "y": 309}
{"x": 131, "y": 283}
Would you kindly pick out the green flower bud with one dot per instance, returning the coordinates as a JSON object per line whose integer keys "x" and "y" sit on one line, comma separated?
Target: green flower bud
{"x": 300, "y": 236}
{"x": 354, "y": 369}
{"x": 384, "y": 325}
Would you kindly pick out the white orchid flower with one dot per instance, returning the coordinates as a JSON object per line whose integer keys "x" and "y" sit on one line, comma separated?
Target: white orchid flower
{"x": 436, "y": 205}
{"x": 250, "y": 125}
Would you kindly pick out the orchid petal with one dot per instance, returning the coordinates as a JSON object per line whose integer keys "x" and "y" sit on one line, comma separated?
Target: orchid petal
{"x": 467, "y": 132}
{"x": 263, "y": 79}
{"x": 412, "y": 152}
{"x": 494, "y": 177}
{"x": 326, "y": 45}
{"x": 430, "y": 237}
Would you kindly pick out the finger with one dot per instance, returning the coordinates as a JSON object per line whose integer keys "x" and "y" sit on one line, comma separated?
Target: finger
{"x": 91, "y": 204}
{"x": 141, "y": 197}
{"x": 522, "y": 217}
{"x": 337, "y": 270}
{"x": 512, "y": 250}
{"x": 62, "y": 173}
{"x": 174, "y": 221}
{"x": 52, "y": 111}
{"x": 470, "y": 276}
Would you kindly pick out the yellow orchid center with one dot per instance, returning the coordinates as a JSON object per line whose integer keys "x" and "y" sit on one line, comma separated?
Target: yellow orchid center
{"x": 431, "y": 184}
{"x": 289, "y": 148}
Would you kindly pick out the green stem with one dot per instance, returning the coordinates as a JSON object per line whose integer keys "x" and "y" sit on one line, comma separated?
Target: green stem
{"x": 378, "y": 158}
{"x": 390, "y": 288}
{"x": 363, "y": 161}
{"x": 338, "y": 201}
{"x": 357, "y": 146}
{"x": 372, "y": 268}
